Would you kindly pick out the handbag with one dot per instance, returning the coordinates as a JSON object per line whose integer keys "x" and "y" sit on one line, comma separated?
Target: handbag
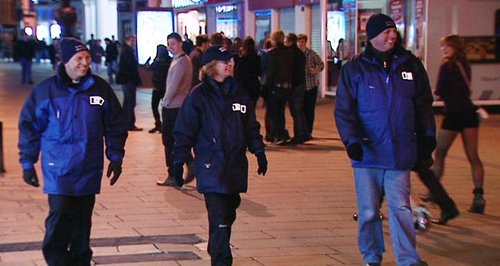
{"x": 482, "y": 114}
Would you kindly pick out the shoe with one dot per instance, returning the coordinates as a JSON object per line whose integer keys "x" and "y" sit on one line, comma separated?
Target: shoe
{"x": 269, "y": 138}
{"x": 155, "y": 129}
{"x": 419, "y": 263}
{"x": 281, "y": 142}
{"x": 446, "y": 216}
{"x": 169, "y": 182}
{"x": 296, "y": 141}
{"x": 373, "y": 264}
{"x": 134, "y": 128}
{"x": 308, "y": 138}
{"x": 478, "y": 203}
{"x": 190, "y": 173}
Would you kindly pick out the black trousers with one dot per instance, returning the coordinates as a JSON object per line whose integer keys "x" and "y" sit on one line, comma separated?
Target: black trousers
{"x": 67, "y": 230}
{"x": 438, "y": 193}
{"x": 221, "y": 216}
{"x": 156, "y": 97}
{"x": 278, "y": 98}
{"x": 310, "y": 97}
{"x": 169, "y": 115}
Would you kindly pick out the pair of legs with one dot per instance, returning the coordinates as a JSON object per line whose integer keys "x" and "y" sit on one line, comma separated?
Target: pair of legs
{"x": 129, "y": 102}
{"x": 470, "y": 142}
{"x": 67, "y": 235}
{"x": 221, "y": 210}
{"x": 156, "y": 97}
{"x": 371, "y": 185}
{"x": 310, "y": 97}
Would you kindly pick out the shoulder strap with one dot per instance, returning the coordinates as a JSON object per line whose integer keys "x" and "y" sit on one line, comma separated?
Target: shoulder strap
{"x": 462, "y": 71}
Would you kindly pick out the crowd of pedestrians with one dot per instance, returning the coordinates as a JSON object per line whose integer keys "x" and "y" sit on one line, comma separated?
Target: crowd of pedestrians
{"x": 208, "y": 92}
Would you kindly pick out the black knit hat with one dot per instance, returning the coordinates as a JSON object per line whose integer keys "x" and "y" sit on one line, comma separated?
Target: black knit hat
{"x": 69, "y": 47}
{"x": 377, "y": 24}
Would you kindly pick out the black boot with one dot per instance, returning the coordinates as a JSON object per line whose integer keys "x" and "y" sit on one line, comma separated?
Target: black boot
{"x": 156, "y": 128}
{"x": 478, "y": 203}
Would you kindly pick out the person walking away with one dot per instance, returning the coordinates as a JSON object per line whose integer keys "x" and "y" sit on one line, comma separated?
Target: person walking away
{"x": 111, "y": 62}
{"x": 248, "y": 69}
{"x": 160, "y": 66}
{"x": 96, "y": 54}
{"x": 58, "y": 120}
{"x": 453, "y": 87}
{"x": 177, "y": 88}
{"x": 202, "y": 44}
{"x": 217, "y": 119}
{"x": 279, "y": 84}
{"x": 128, "y": 77}
{"x": 314, "y": 65}
{"x": 264, "y": 91}
{"x": 382, "y": 106}
{"x": 26, "y": 50}
{"x": 295, "y": 97}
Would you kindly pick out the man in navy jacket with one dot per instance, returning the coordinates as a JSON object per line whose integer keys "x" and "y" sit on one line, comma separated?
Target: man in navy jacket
{"x": 383, "y": 108}
{"x": 68, "y": 118}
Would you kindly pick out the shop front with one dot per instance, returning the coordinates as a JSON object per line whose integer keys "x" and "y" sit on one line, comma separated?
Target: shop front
{"x": 346, "y": 30}
{"x": 191, "y": 17}
{"x": 227, "y": 17}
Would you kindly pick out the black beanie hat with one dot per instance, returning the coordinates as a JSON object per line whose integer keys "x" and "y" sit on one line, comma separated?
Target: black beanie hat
{"x": 69, "y": 47}
{"x": 377, "y": 24}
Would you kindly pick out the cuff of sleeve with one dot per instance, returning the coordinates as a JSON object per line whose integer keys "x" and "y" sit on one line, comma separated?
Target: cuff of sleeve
{"x": 27, "y": 166}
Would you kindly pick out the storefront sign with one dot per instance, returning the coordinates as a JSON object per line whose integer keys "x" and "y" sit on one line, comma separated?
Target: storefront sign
{"x": 397, "y": 11}
{"x": 226, "y": 8}
{"x": 186, "y": 3}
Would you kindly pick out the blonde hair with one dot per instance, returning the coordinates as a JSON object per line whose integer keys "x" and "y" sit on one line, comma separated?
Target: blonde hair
{"x": 208, "y": 70}
{"x": 278, "y": 37}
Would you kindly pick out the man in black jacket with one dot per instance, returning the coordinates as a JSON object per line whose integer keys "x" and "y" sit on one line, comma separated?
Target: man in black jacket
{"x": 128, "y": 76}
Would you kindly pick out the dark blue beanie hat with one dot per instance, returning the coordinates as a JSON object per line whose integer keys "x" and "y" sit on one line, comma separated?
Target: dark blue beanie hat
{"x": 69, "y": 47}
{"x": 377, "y": 24}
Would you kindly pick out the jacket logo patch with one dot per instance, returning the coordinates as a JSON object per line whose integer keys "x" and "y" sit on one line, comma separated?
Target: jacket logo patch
{"x": 239, "y": 107}
{"x": 96, "y": 100}
{"x": 407, "y": 75}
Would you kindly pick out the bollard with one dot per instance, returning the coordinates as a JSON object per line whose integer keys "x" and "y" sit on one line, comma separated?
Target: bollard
{"x": 2, "y": 169}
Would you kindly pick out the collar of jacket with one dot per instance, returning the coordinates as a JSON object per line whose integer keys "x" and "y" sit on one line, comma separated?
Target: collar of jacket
{"x": 228, "y": 84}
{"x": 84, "y": 84}
{"x": 398, "y": 53}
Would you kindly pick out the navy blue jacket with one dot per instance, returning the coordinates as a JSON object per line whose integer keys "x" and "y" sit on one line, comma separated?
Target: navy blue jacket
{"x": 69, "y": 124}
{"x": 385, "y": 111}
{"x": 220, "y": 126}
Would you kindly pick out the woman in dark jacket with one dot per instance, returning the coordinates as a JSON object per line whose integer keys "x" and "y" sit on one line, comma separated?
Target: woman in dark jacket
{"x": 248, "y": 69}
{"x": 218, "y": 121}
{"x": 160, "y": 66}
{"x": 460, "y": 115}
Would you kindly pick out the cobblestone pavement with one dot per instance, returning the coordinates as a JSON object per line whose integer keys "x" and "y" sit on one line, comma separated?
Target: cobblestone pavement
{"x": 300, "y": 213}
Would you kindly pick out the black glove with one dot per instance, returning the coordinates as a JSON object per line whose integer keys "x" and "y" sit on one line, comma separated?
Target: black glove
{"x": 355, "y": 151}
{"x": 115, "y": 168}
{"x": 30, "y": 177}
{"x": 177, "y": 172}
{"x": 262, "y": 162}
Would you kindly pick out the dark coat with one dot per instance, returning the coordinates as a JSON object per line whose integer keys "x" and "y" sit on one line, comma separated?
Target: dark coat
{"x": 247, "y": 74}
{"x": 220, "y": 127}
{"x": 127, "y": 67}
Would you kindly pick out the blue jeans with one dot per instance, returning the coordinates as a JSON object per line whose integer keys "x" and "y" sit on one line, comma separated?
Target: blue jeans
{"x": 26, "y": 70}
{"x": 371, "y": 185}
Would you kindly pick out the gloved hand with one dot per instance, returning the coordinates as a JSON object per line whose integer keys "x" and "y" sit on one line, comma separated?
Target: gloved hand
{"x": 355, "y": 151}
{"x": 30, "y": 177}
{"x": 262, "y": 162}
{"x": 177, "y": 172}
{"x": 115, "y": 168}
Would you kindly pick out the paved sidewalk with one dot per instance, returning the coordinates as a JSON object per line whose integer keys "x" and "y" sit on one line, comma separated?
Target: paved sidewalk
{"x": 300, "y": 213}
